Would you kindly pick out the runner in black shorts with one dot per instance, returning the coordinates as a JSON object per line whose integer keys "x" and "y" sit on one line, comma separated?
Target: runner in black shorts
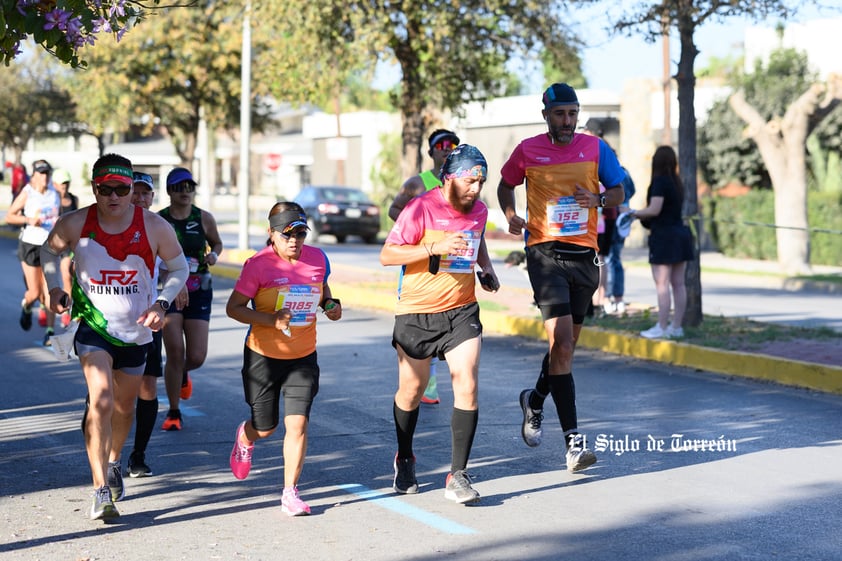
{"x": 279, "y": 294}
{"x": 563, "y": 171}
{"x": 438, "y": 238}
{"x": 188, "y": 321}
{"x": 146, "y": 408}
{"x": 296, "y": 379}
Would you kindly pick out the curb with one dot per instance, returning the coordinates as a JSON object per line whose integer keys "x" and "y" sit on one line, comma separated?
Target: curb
{"x": 796, "y": 373}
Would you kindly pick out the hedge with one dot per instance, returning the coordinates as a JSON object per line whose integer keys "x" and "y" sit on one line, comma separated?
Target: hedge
{"x": 726, "y": 217}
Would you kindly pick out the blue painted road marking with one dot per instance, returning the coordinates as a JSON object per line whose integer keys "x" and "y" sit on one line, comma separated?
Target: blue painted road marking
{"x": 395, "y": 505}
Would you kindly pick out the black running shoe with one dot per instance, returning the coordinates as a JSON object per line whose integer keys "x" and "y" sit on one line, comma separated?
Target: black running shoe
{"x": 137, "y": 465}
{"x": 405, "y": 481}
{"x": 47, "y": 334}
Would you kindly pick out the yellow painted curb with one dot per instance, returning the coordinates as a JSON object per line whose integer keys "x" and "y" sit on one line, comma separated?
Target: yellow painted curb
{"x": 748, "y": 365}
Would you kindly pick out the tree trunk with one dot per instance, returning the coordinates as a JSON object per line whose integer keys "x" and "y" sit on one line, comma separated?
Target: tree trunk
{"x": 781, "y": 143}
{"x": 686, "y": 80}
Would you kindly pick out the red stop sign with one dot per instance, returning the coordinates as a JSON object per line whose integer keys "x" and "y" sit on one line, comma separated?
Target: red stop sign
{"x": 273, "y": 161}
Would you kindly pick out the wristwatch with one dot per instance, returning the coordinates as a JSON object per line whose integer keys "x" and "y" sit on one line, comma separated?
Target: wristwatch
{"x": 602, "y": 201}
{"x": 163, "y": 303}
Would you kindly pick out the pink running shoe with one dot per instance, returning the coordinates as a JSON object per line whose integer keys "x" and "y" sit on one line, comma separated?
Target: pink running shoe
{"x": 241, "y": 455}
{"x": 291, "y": 503}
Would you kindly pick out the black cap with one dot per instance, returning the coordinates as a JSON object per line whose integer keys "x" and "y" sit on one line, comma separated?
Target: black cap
{"x": 559, "y": 94}
{"x": 42, "y": 166}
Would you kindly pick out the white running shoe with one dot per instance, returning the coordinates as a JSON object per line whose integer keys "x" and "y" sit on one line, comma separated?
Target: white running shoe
{"x": 654, "y": 332}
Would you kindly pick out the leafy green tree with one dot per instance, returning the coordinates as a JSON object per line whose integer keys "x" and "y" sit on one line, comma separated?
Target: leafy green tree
{"x": 32, "y": 104}
{"x": 185, "y": 66}
{"x": 781, "y": 105}
{"x": 726, "y": 154}
{"x": 686, "y": 16}
{"x": 449, "y": 53}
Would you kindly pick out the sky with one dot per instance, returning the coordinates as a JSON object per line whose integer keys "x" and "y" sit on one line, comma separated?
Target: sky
{"x": 609, "y": 61}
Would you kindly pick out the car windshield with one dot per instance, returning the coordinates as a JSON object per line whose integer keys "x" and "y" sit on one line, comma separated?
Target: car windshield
{"x": 343, "y": 195}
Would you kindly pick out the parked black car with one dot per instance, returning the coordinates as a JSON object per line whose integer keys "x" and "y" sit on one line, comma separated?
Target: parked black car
{"x": 339, "y": 211}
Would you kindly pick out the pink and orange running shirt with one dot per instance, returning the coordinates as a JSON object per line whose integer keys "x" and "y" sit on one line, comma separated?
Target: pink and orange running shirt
{"x": 273, "y": 283}
{"x": 552, "y": 173}
{"x": 426, "y": 219}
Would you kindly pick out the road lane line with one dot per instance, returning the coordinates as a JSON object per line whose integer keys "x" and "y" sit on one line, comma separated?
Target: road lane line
{"x": 400, "y": 507}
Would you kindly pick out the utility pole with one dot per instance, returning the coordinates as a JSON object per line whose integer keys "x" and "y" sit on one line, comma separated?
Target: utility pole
{"x": 245, "y": 133}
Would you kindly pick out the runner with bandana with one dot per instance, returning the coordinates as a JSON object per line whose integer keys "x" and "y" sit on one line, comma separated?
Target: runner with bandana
{"x": 438, "y": 239}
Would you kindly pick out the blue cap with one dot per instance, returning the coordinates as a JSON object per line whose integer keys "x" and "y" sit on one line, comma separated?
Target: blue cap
{"x": 178, "y": 175}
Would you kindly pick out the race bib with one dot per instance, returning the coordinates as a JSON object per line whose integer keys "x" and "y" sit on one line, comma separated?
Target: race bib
{"x": 566, "y": 218}
{"x": 463, "y": 263}
{"x": 302, "y": 300}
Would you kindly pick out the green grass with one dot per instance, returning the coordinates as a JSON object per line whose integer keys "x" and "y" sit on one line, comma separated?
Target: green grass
{"x": 720, "y": 332}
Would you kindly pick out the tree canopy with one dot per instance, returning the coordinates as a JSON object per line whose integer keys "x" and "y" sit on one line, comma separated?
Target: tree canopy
{"x": 448, "y": 53}
{"x": 185, "y": 66}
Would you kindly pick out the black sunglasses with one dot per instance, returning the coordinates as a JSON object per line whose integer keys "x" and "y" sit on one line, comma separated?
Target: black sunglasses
{"x": 299, "y": 235}
{"x": 106, "y": 190}
{"x": 183, "y": 187}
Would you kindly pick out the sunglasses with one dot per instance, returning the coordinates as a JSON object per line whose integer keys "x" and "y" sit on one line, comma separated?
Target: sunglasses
{"x": 444, "y": 145}
{"x": 299, "y": 235}
{"x": 182, "y": 187}
{"x": 106, "y": 190}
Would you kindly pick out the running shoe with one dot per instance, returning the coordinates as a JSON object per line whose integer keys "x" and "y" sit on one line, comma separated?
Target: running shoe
{"x": 186, "y": 387}
{"x": 103, "y": 507}
{"x": 137, "y": 465}
{"x": 115, "y": 481}
{"x": 674, "y": 332}
{"x": 49, "y": 332}
{"x": 654, "y": 332}
{"x": 65, "y": 319}
{"x": 291, "y": 503}
{"x": 25, "y": 316}
{"x": 531, "y": 430}
{"x": 431, "y": 392}
{"x": 458, "y": 488}
{"x": 241, "y": 456}
{"x": 578, "y": 455}
{"x": 405, "y": 481}
{"x": 172, "y": 421}
{"x": 42, "y": 317}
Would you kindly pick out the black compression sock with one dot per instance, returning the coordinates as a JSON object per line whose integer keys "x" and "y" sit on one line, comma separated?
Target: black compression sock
{"x": 405, "y": 422}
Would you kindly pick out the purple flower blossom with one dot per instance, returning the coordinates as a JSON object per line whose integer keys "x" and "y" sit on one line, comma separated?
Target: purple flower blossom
{"x": 101, "y": 25}
{"x": 56, "y": 19}
{"x": 118, "y": 9}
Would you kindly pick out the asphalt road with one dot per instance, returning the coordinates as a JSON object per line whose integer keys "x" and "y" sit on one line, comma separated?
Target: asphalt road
{"x": 769, "y": 488}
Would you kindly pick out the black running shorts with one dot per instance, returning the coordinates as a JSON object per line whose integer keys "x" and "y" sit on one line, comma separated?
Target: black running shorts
{"x": 433, "y": 335}
{"x": 264, "y": 379}
{"x": 129, "y": 359}
{"x": 30, "y": 254}
{"x": 198, "y": 307}
{"x": 153, "y": 356}
{"x": 563, "y": 279}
